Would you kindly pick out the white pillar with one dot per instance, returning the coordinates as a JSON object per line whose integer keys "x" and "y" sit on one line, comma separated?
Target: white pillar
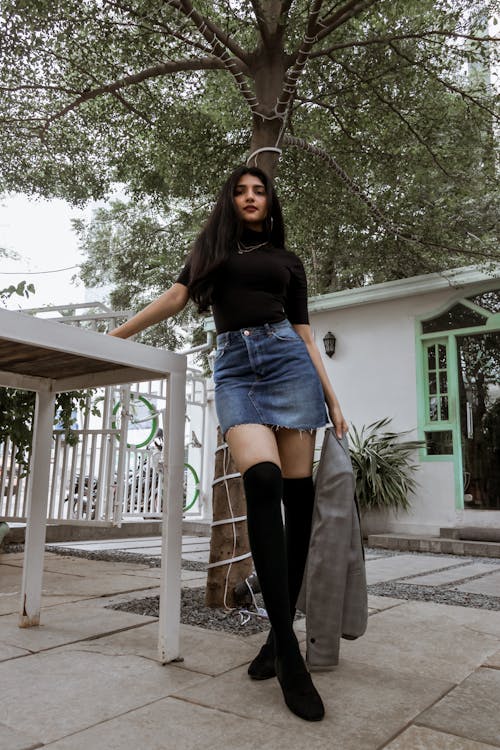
{"x": 43, "y": 425}
{"x": 173, "y": 462}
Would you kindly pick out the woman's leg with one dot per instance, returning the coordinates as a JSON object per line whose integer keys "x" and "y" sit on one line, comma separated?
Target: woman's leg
{"x": 296, "y": 454}
{"x": 255, "y": 451}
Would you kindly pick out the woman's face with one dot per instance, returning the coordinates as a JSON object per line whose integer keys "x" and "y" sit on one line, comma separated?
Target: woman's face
{"x": 250, "y": 202}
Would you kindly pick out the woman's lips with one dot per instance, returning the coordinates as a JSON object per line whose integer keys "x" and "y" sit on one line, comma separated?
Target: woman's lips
{"x": 250, "y": 208}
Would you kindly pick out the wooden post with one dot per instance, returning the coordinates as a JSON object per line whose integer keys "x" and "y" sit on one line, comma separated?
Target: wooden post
{"x": 229, "y": 539}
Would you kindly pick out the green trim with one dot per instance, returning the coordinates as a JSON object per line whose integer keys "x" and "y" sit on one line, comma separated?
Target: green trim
{"x": 422, "y": 342}
{"x": 154, "y": 421}
{"x": 457, "y": 430}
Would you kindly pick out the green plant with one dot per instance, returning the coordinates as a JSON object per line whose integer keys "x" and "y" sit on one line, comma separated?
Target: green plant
{"x": 383, "y": 467}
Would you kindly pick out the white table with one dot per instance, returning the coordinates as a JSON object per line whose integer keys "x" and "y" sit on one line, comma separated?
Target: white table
{"x": 46, "y": 357}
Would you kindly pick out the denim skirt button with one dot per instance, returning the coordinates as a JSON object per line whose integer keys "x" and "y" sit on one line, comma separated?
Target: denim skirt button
{"x": 246, "y": 333}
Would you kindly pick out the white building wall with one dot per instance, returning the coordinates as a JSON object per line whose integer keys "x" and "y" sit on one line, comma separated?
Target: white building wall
{"x": 373, "y": 372}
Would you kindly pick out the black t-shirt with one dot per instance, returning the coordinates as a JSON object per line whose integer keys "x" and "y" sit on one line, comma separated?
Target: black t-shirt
{"x": 265, "y": 285}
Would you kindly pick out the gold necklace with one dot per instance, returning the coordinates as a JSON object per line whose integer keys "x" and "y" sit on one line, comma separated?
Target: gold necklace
{"x": 242, "y": 249}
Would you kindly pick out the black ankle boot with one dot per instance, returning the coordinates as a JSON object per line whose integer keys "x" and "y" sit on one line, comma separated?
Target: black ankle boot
{"x": 262, "y": 667}
{"x": 299, "y": 693}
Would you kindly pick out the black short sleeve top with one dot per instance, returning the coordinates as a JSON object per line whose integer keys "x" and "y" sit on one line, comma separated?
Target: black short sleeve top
{"x": 265, "y": 285}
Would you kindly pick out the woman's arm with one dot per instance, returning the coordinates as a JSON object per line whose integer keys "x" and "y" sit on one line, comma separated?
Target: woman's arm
{"x": 332, "y": 403}
{"x": 169, "y": 303}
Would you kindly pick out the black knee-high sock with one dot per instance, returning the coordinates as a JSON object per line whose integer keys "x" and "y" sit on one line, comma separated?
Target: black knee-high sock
{"x": 263, "y": 489}
{"x": 298, "y": 499}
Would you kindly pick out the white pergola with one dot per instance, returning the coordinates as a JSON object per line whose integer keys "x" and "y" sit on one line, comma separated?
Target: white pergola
{"x": 47, "y": 358}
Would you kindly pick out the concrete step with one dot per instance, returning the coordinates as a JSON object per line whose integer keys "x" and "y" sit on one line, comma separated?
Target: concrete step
{"x": 471, "y": 533}
{"x": 435, "y": 544}
{"x": 78, "y": 532}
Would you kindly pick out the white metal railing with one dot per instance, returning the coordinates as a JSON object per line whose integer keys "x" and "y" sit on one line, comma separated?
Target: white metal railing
{"x": 100, "y": 476}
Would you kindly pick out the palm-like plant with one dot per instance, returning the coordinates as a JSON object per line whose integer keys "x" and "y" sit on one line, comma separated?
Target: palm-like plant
{"x": 383, "y": 467}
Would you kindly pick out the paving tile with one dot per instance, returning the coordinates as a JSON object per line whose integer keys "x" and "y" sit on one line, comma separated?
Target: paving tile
{"x": 421, "y": 639}
{"x": 489, "y": 585}
{"x": 493, "y": 660}
{"x": 171, "y": 724}
{"x": 12, "y": 558}
{"x": 89, "y": 581}
{"x": 13, "y": 739}
{"x": 192, "y": 575}
{"x": 7, "y": 651}
{"x": 365, "y": 705}
{"x": 421, "y": 738}
{"x": 450, "y": 576}
{"x": 389, "y": 568}
{"x": 470, "y": 710}
{"x": 59, "y": 692}
{"x": 196, "y": 556}
{"x": 206, "y": 651}
{"x": 66, "y": 624}
{"x": 11, "y": 603}
{"x": 380, "y": 603}
{"x": 195, "y": 583}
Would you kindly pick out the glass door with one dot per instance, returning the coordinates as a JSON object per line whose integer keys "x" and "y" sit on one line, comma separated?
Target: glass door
{"x": 479, "y": 397}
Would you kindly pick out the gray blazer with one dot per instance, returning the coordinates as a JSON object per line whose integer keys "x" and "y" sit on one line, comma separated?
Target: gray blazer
{"x": 334, "y": 594}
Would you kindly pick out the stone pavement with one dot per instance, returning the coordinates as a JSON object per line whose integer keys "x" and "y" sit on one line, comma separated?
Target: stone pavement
{"x": 424, "y": 676}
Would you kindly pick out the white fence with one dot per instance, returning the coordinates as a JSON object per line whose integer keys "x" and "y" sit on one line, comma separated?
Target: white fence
{"x": 112, "y": 467}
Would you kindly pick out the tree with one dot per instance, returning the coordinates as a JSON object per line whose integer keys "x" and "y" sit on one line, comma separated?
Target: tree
{"x": 367, "y": 98}
{"x": 137, "y": 253}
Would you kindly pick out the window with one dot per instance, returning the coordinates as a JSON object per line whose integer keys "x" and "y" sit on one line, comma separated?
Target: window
{"x": 437, "y": 383}
{"x": 458, "y": 316}
{"x": 489, "y": 300}
{"x": 439, "y": 443}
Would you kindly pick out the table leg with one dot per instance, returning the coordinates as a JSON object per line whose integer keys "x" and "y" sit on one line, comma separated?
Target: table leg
{"x": 43, "y": 425}
{"x": 170, "y": 582}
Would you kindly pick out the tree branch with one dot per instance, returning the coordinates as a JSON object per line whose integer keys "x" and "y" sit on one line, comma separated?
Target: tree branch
{"x": 292, "y": 76}
{"x": 131, "y": 107}
{"x": 446, "y": 84}
{"x": 208, "y": 29}
{"x": 331, "y": 109}
{"x": 163, "y": 27}
{"x": 400, "y": 116}
{"x": 397, "y": 38}
{"x": 351, "y": 9}
{"x": 219, "y": 42}
{"x": 261, "y": 23}
{"x": 208, "y": 63}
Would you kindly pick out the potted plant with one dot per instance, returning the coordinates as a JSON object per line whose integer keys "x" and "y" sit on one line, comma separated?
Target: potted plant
{"x": 383, "y": 466}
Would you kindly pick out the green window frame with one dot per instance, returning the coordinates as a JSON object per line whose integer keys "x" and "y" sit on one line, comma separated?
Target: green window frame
{"x": 436, "y": 407}
{"x": 437, "y": 392}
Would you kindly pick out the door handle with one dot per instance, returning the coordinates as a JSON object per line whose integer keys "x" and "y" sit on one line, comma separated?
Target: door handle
{"x": 470, "y": 421}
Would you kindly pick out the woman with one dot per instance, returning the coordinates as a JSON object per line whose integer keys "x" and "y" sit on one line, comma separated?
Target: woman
{"x": 270, "y": 393}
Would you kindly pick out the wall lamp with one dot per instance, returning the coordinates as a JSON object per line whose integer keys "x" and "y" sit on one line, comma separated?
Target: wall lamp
{"x": 329, "y": 342}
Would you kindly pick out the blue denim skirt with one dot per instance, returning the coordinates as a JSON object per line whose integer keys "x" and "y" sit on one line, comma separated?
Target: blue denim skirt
{"x": 264, "y": 375}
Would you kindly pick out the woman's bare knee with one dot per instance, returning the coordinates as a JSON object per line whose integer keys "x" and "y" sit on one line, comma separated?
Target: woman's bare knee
{"x": 251, "y": 444}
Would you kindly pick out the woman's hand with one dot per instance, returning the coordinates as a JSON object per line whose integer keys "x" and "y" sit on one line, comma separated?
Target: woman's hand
{"x": 338, "y": 420}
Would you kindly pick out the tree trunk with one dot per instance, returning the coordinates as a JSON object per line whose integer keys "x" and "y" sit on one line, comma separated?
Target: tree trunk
{"x": 268, "y": 68}
{"x": 229, "y": 540}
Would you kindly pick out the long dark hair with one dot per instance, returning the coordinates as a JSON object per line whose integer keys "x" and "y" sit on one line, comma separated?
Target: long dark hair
{"x": 219, "y": 236}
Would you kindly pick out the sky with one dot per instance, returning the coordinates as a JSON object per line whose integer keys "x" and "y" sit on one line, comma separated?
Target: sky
{"x": 40, "y": 232}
